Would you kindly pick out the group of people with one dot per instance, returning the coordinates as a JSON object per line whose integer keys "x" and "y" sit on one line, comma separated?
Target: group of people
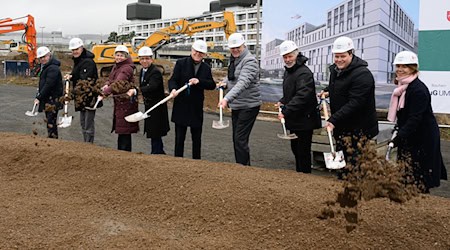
{"x": 351, "y": 93}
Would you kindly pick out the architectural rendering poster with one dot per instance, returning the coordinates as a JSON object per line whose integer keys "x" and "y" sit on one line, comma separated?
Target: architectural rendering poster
{"x": 379, "y": 29}
{"x": 434, "y": 52}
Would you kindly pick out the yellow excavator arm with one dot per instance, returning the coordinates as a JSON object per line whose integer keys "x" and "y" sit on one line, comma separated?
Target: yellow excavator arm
{"x": 104, "y": 53}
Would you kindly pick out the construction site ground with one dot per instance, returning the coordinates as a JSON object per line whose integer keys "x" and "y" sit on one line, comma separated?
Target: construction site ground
{"x": 68, "y": 194}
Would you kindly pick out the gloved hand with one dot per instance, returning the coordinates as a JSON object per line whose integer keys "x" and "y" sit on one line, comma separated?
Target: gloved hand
{"x": 395, "y": 141}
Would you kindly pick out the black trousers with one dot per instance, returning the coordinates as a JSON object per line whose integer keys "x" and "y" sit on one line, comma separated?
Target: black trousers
{"x": 52, "y": 126}
{"x": 243, "y": 121}
{"x": 157, "y": 145}
{"x": 301, "y": 148}
{"x": 124, "y": 142}
{"x": 348, "y": 143}
{"x": 180, "y": 136}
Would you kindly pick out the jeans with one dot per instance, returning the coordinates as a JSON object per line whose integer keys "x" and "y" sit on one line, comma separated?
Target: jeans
{"x": 87, "y": 123}
{"x": 52, "y": 126}
{"x": 157, "y": 145}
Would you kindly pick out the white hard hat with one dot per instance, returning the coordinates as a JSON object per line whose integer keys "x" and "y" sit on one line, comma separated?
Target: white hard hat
{"x": 200, "y": 46}
{"x": 145, "y": 51}
{"x": 235, "y": 40}
{"x": 121, "y": 48}
{"x": 406, "y": 57}
{"x": 287, "y": 47}
{"x": 342, "y": 44}
{"x": 75, "y": 43}
{"x": 42, "y": 51}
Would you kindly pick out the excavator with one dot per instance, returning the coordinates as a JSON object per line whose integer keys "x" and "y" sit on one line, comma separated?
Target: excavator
{"x": 104, "y": 53}
{"x": 8, "y": 25}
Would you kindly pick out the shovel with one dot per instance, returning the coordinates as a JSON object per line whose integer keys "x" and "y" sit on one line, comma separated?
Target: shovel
{"x": 99, "y": 98}
{"x": 333, "y": 160}
{"x": 139, "y": 116}
{"x": 32, "y": 112}
{"x": 391, "y": 145}
{"x": 220, "y": 124}
{"x": 285, "y": 135}
{"x": 65, "y": 121}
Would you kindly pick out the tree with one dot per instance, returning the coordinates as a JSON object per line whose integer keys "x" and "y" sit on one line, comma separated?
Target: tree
{"x": 112, "y": 37}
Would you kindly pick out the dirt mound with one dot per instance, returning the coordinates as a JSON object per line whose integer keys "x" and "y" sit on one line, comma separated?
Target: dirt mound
{"x": 72, "y": 195}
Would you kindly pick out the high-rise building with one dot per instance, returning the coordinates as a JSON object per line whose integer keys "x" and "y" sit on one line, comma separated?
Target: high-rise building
{"x": 379, "y": 29}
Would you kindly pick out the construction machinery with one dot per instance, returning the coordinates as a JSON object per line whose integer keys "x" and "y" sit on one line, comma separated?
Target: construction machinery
{"x": 8, "y": 25}
{"x": 179, "y": 31}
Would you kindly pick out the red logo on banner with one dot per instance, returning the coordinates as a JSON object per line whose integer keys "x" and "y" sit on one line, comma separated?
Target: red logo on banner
{"x": 448, "y": 15}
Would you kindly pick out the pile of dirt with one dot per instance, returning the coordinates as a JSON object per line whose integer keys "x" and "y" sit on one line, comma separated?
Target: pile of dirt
{"x": 60, "y": 194}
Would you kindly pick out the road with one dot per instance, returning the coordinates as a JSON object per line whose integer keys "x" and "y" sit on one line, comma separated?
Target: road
{"x": 267, "y": 150}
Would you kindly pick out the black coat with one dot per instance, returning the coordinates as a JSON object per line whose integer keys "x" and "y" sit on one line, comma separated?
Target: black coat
{"x": 84, "y": 68}
{"x": 188, "y": 105}
{"x": 418, "y": 134}
{"x": 50, "y": 85}
{"x": 352, "y": 100}
{"x": 152, "y": 88}
{"x": 299, "y": 97}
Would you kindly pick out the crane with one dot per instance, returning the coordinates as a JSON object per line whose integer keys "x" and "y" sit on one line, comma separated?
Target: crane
{"x": 8, "y": 25}
{"x": 104, "y": 53}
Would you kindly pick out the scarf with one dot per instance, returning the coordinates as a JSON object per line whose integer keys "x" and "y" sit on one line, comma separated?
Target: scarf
{"x": 398, "y": 96}
{"x": 231, "y": 69}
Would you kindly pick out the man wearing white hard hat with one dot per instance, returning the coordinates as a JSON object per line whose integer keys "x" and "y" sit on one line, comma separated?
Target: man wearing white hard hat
{"x": 243, "y": 97}
{"x": 418, "y": 137}
{"x": 50, "y": 89}
{"x": 187, "y": 108}
{"x": 121, "y": 85}
{"x": 152, "y": 88}
{"x": 299, "y": 104}
{"x": 84, "y": 69}
{"x": 352, "y": 100}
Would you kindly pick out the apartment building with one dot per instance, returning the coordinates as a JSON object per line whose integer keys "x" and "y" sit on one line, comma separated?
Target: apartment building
{"x": 379, "y": 28}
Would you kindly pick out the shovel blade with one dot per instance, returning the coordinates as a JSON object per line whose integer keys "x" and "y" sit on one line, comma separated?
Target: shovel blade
{"x": 336, "y": 161}
{"x": 138, "y": 116}
{"x": 64, "y": 122}
{"x": 221, "y": 124}
{"x": 287, "y": 136}
{"x": 30, "y": 113}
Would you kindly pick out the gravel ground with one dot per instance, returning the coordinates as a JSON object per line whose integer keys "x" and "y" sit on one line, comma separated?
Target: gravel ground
{"x": 267, "y": 150}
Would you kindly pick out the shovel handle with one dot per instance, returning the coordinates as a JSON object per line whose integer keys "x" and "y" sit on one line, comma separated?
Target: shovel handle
{"x": 170, "y": 96}
{"x": 220, "y": 106}
{"x": 326, "y": 115}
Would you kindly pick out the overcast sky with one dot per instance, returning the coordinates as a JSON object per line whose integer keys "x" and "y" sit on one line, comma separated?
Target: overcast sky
{"x": 91, "y": 16}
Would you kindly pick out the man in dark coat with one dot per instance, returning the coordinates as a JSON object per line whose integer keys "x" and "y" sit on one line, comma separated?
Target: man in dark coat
{"x": 50, "y": 89}
{"x": 418, "y": 137}
{"x": 152, "y": 89}
{"x": 352, "y": 100}
{"x": 84, "y": 68}
{"x": 299, "y": 104}
{"x": 188, "y": 105}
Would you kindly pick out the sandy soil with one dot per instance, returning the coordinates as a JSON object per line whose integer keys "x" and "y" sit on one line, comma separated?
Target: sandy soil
{"x": 63, "y": 194}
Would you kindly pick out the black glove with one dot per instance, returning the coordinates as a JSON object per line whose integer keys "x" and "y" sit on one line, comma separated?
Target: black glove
{"x": 395, "y": 141}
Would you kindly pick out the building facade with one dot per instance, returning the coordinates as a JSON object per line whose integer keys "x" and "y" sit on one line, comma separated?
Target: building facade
{"x": 379, "y": 29}
{"x": 245, "y": 18}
